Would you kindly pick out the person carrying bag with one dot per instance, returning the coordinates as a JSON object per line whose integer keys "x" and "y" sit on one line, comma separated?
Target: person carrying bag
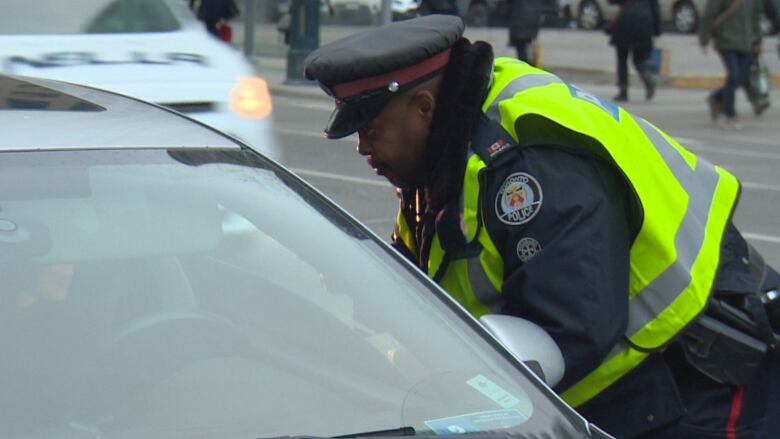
{"x": 632, "y": 32}
{"x": 759, "y": 85}
{"x": 734, "y": 28}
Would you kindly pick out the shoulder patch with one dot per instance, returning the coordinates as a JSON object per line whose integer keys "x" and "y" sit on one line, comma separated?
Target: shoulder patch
{"x": 519, "y": 199}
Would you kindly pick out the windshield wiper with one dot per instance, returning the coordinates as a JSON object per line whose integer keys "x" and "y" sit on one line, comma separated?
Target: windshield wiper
{"x": 401, "y": 431}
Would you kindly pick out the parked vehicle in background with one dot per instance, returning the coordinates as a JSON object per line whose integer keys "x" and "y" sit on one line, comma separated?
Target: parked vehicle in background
{"x": 405, "y": 9}
{"x": 355, "y": 11}
{"x": 592, "y": 14}
{"x": 368, "y": 12}
{"x": 555, "y": 13}
{"x": 153, "y": 49}
{"x": 481, "y": 13}
{"x": 682, "y": 15}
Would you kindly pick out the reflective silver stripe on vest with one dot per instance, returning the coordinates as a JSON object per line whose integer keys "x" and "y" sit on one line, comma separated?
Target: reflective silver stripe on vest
{"x": 482, "y": 287}
{"x": 516, "y": 86}
{"x": 700, "y": 184}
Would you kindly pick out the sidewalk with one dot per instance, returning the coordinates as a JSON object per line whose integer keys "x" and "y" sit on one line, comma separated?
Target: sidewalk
{"x": 574, "y": 55}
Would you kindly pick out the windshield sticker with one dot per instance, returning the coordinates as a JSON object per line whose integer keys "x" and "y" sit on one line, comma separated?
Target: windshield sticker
{"x": 477, "y": 422}
{"x": 493, "y": 391}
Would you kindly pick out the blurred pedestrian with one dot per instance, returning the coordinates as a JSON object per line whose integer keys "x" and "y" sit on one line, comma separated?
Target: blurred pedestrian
{"x": 525, "y": 18}
{"x": 772, "y": 13}
{"x": 757, "y": 84}
{"x": 212, "y": 12}
{"x": 631, "y": 32}
{"x": 734, "y": 27}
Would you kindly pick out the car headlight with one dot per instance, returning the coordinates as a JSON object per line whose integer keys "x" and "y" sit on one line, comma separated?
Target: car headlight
{"x": 250, "y": 97}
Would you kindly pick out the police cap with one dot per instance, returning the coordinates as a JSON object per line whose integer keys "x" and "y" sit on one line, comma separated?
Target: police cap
{"x": 365, "y": 70}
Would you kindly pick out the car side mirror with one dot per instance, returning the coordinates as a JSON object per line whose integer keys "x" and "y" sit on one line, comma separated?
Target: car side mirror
{"x": 529, "y": 342}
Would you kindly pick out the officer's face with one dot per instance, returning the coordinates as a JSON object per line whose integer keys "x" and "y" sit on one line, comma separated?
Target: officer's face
{"x": 395, "y": 141}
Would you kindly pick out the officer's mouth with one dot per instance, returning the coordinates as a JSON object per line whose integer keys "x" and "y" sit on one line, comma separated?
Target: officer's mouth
{"x": 383, "y": 170}
{"x": 378, "y": 168}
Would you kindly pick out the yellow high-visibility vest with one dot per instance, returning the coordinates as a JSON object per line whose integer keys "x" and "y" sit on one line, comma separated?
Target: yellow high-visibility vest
{"x": 686, "y": 203}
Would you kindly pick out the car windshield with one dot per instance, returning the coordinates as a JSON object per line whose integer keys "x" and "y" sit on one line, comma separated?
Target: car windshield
{"x": 207, "y": 293}
{"x": 85, "y": 17}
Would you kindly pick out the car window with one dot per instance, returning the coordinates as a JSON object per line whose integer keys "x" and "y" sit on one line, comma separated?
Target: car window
{"x": 86, "y": 16}
{"x": 202, "y": 293}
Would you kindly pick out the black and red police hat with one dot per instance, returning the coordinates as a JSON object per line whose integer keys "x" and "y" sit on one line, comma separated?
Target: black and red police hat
{"x": 365, "y": 70}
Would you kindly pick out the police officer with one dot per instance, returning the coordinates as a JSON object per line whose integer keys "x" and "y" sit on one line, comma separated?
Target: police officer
{"x": 525, "y": 195}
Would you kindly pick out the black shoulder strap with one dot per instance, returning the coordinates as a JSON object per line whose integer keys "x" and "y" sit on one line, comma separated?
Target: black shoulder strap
{"x": 491, "y": 141}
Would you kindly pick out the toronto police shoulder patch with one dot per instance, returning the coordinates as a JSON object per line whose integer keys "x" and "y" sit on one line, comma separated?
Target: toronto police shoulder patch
{"x": 519, "y": 199}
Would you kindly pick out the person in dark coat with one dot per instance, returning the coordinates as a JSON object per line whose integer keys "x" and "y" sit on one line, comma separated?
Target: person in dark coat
{"x": 211, "y": 12}
{"x": 632, "y": 31}
{"x": 525, "y": 17}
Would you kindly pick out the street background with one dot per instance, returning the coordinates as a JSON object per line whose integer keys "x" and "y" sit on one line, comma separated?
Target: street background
{"x": 573, "y": 54}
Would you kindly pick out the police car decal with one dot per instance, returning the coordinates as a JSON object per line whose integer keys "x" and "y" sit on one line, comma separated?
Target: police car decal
{"x": 527, "y": 248}
{"x": 72, "y": 59}
{"x": 519, "y": 199}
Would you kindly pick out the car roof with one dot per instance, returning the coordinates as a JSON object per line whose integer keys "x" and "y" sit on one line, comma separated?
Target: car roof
{"x": 44, "y": 114}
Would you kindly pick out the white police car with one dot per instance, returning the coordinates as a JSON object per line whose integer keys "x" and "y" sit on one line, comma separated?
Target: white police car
{"x": 163, "y": 280}
{"x": 153, "y": 49}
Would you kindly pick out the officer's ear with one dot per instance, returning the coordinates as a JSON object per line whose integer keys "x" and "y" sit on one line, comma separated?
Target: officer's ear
{"x": 423, "y": 104}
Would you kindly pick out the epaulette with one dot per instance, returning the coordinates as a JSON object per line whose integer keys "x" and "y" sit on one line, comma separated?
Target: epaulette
{"x": 492, "y": 142}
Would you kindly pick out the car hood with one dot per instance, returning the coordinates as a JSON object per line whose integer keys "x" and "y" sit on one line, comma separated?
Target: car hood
{"x": 168, "y": 67}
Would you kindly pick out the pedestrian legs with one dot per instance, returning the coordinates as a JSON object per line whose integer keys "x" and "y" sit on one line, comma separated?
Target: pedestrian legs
{"x": 522, "y": 50}
{"x": 622, "y": 73}
{"x": 737, "y": 65}
{"x": 641, "y": 59}
{"x": 759, "y": 103}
